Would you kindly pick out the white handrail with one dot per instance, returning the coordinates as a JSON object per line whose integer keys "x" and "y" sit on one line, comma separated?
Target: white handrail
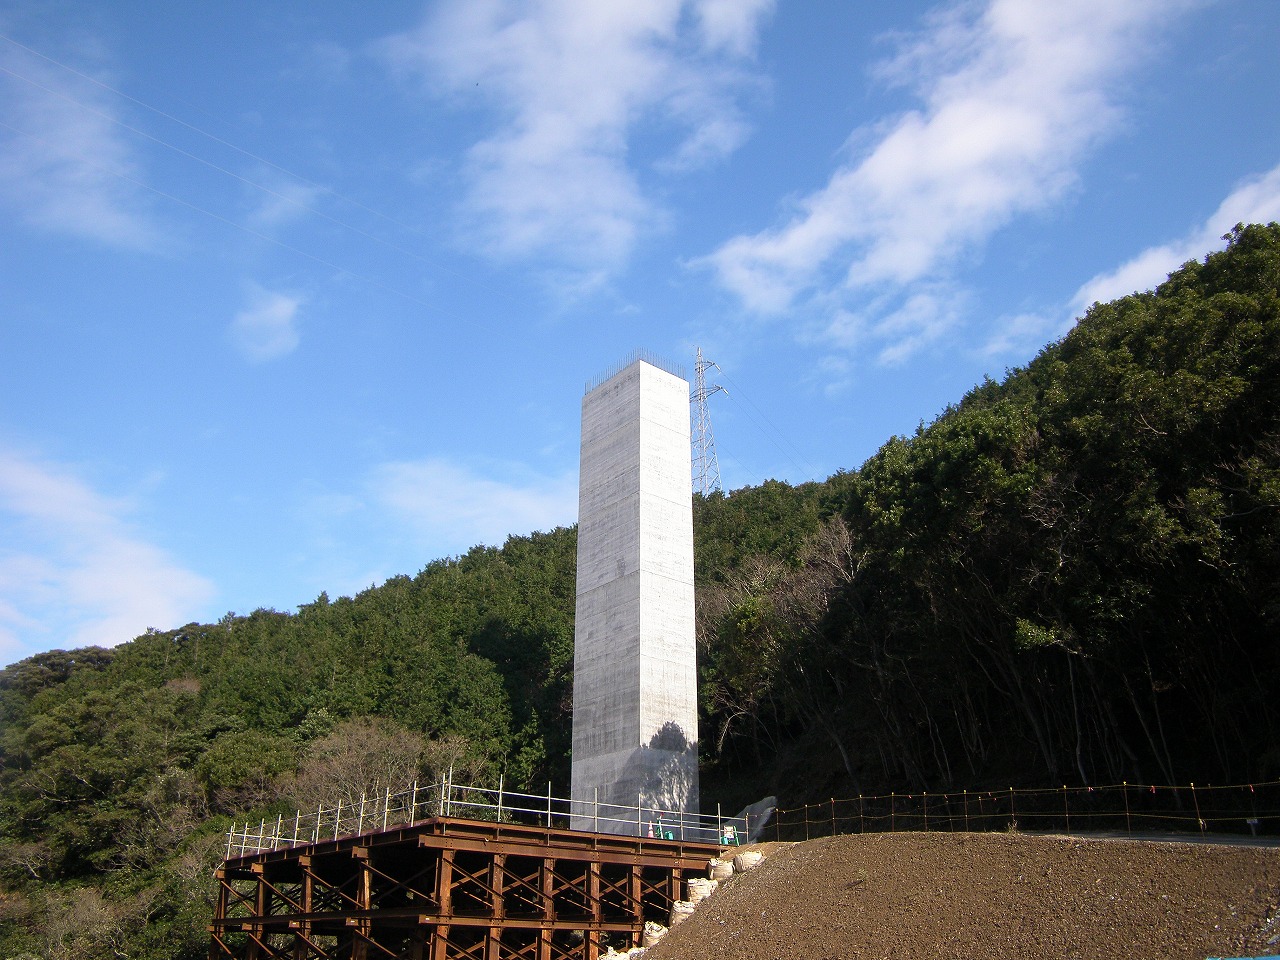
{"x": 400, "y": 808}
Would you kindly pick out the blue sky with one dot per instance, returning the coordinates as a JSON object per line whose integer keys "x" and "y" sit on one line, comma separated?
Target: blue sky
{"x": 296, "y": 297}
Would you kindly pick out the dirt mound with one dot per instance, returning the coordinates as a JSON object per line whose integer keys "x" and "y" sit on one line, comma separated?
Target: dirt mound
{"x": 977, "y": 896}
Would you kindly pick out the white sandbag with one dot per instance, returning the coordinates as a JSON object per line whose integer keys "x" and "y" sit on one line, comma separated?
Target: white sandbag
{"x": 653, "y": 932}
{"x": 700, "y": 888}
{"x": 746, "y": 860}
{"x": 720, "y": 869}
{"x": 681, "y": 910}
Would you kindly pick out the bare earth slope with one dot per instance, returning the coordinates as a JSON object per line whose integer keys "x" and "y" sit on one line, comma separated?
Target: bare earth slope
{"x": 976, "y": 896}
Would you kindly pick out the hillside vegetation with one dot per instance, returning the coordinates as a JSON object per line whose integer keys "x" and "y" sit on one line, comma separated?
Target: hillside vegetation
{"x": 1070, "y": 576}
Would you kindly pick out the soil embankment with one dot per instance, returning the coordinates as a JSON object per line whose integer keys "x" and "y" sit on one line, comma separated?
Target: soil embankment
{"x": 979, "y": 896}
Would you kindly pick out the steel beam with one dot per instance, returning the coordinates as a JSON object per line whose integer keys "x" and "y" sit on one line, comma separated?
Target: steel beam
{"x": 448, "y": 889}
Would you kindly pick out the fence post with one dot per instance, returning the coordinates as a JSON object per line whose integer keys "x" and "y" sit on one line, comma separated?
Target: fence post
{"x": 360, "y": 819}
{"x": 1066, "y": 807}
{"x": 229, "y": 833}
{"x": 413, "y": 803}
{"x": 1128, "y": 826}
{"x": 862, "y": 824}
{"x": 297, "y": 826}
{"x": 1013, "y": 814}
{"x": 337, "y": 819}
{"x": 595, "y": 809}
{"x": 386, "y": 809}
{"x": 833, "y": 816}
{"x": 501, "y": 783}
{"x": 806, "y": 821}
{"x": 892, "y": 813}
{"x": 925, "y": 801}
{"x": 966, "y": 811}
{"x": 1196, "y": 801}
{"x": 548, "y": 804}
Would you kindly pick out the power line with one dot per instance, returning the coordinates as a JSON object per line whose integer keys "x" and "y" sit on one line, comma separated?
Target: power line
{"x": 232, "y": 223}
{"x": 773, "y": 433}
{"x": 204, "y": 133}
{"x": 320, "y": 188}
{"x": 223, "y": 170}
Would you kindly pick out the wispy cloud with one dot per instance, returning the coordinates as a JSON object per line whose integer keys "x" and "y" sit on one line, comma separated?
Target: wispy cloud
{"x": 1255, "y": 200}
{"x": 280, "y": 201}
{"x": 74, "y": 571}
{"x": 895, "y": 327}
{"x": 65, "y": 165}
{"x": 1023, "y": 333}
{"x": 450, "y": 508}
{"x": 415, "y": 511}
{"x": 1012, "y": 95}
{"x": 267, "y": 328}
{"x": 571, "y": 81}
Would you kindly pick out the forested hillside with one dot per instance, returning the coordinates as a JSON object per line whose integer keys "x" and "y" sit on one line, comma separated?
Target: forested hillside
{"x": 1070, "y": 576}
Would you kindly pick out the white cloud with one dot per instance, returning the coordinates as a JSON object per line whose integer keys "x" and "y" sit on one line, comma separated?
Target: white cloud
{"x": 731, "y": 24}
{"x": 1257, "y": 200}
{"x": 73, "y": 572}
{"x": 451, "y": 508}
{"x": 921, "y": 319}
{"x": 571, "y": 80}
{"x": 267, "y": 328}
{"x": 282, "y": 201}
{"x": 64, "y": 162}
{"x": 1013, "y": 97}
{"x": 896, "y": 327}
{"x": 1021, "y": 333}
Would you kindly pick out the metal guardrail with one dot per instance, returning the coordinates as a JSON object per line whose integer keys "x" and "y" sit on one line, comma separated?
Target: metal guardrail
{"x": 447, "y": 799}
{"x": 1134, "y": 808}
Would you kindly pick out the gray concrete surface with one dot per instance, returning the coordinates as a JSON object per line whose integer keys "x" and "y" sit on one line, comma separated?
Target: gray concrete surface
{"x": 635, "y": 721}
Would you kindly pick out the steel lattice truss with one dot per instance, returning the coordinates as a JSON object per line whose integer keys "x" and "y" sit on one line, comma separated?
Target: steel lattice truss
{"x": 445, "y": 889}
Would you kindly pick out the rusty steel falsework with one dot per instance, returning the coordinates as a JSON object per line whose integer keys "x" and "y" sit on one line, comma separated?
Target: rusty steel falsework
{"x": 449, "y": 888}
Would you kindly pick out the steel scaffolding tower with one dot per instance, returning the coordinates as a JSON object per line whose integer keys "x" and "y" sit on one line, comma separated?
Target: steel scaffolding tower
{"x": 450, "y": 889}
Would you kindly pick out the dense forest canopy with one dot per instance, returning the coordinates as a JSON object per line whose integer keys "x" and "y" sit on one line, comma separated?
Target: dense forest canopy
{"x": 1070, "y": 576}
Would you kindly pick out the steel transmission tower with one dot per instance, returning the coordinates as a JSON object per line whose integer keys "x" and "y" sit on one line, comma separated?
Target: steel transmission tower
{"x": 706, "y": 468}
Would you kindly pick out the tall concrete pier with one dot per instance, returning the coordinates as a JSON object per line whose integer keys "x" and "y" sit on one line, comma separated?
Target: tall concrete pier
{"x": 635, "y": 716}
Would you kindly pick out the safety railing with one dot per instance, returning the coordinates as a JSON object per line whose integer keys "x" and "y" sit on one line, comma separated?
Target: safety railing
{"x": 389, "y": 809}
{"x": 1250, "y": 809}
